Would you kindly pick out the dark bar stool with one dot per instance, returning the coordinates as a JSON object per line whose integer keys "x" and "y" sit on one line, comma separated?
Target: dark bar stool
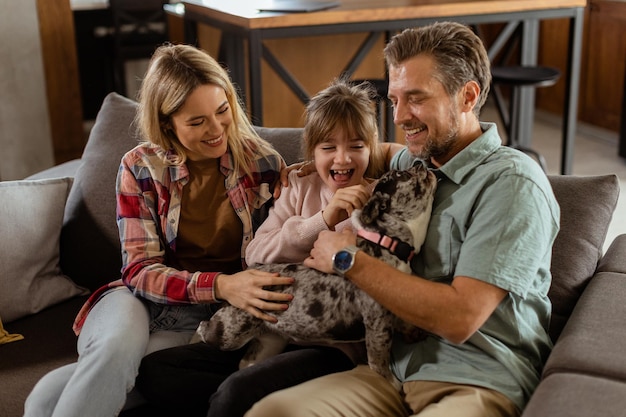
{"x": 139, "y": 27}
{"x": 518, "y": 77}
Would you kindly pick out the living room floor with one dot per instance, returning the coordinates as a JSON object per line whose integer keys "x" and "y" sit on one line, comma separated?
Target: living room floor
{"x": 595, "y": 153}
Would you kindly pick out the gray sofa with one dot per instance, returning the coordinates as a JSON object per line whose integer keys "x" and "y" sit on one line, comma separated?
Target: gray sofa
{"x": 585, "y": 374}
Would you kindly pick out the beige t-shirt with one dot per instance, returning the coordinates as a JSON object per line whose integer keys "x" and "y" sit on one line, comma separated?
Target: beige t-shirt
{"x": 209, "y": 233}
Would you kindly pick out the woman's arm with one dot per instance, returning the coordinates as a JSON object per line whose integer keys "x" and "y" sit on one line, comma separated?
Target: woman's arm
{"x": 143, "y": 236}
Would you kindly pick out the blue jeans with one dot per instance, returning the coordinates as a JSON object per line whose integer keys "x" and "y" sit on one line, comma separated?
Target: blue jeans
{"x": 119, "y": 331}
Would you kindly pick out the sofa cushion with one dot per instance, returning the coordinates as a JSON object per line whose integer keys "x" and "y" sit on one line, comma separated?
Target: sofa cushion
{"x": 572, "y": 395}
{"x": 593, "y": 340}
{"x": 90, "y": 246}
{"x": 614, "y": 259}
{"x": 30, "y": 276}
{"x": 286, "y": 140}
{"x": 587, "y": 205}
{"x": 49, "y": 343}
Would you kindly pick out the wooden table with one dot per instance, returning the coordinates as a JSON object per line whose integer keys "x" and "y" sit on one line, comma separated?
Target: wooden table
{"x": 240, "y": 21}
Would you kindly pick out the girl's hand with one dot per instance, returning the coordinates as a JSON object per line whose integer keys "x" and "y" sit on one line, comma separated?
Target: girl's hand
{"x": 245, "y": 290}
{"x": 343, "y": 203}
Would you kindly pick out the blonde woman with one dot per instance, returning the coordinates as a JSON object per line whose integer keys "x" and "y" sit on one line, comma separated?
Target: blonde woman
{"x": 187, "y": 205}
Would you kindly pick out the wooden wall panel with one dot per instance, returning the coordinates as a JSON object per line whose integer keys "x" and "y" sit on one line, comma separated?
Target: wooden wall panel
{"x": 603, "y": 83}
{"x": 602, "y": 67}
{"x": 314, "y": 61}
{"x": 553, "y": 53}
{"x": 58, "y": 45}
{"x": 314, "y": 64}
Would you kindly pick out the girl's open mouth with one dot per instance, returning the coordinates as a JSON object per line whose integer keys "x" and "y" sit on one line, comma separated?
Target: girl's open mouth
{"x": 341, "y": 175}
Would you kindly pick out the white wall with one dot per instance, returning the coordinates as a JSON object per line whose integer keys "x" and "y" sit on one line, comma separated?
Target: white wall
{"x": 25, "y": 134}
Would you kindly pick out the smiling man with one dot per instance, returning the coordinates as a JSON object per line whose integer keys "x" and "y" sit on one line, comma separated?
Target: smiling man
{"x": 479, "y": 285}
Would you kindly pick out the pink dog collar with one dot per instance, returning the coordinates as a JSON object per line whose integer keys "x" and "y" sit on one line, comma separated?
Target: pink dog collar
{"x": 400, "y": 249}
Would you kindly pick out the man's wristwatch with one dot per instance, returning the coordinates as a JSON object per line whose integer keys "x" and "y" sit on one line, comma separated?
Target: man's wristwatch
{"x": 343, "y": 260}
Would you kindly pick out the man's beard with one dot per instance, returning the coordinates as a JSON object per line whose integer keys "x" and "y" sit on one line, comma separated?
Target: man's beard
{"x": 437, "y": 147}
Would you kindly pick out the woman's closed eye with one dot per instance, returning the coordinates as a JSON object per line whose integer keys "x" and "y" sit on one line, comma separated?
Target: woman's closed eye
{"x": 196, "y": 122}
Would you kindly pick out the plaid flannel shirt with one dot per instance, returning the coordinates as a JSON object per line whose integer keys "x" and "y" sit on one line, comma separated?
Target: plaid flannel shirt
{"x": 149, "y": 193}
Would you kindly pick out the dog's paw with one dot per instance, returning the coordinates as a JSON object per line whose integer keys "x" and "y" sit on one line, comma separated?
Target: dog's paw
{"x": 200, "y": 334}
{"x": 414, "y": 335}
{"x": 410, "y": 333}
{"x": 396, "y": 383}
{"x": 245, "y": 363}
{"x": 196, "y": 338}
{"x": 388, "y": 375}
{"x": 264, "y": 346}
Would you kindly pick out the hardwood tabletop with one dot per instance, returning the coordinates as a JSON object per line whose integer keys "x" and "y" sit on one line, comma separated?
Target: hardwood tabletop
{"x": 245, "y": 13}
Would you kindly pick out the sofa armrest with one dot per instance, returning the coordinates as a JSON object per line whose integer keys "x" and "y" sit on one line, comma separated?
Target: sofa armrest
{"x": 614, "y": 259}
{"x": 593, "y": 340}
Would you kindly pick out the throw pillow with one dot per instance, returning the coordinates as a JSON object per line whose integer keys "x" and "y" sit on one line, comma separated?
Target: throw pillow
{"x": 286, "y": 140}
{"x": 30, "y": 276}
{"x": 587, "y": 204}
{"x": 90, "y": 241}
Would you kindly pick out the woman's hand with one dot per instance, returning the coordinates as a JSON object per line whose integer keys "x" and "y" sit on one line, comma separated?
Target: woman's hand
{"x": 343, "y": 203}
{"x": 245, "y": 290}
{"x": 303, "y": 168}
{"x": 306, "y": 168}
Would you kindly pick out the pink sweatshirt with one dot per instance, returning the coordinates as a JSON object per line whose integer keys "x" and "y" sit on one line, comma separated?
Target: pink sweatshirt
{"x": 293, "y": 223}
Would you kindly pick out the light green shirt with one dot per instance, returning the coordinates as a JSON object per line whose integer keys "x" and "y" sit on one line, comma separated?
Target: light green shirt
{"x": 494, "y": 219}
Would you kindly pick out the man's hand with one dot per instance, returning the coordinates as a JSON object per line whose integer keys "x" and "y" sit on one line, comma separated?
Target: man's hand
{"x": 327, "y": 244}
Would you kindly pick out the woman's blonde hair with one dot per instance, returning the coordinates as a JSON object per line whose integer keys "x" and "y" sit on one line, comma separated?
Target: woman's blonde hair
{"x": 174, "y": 72}
{"x": 347, "y": 106}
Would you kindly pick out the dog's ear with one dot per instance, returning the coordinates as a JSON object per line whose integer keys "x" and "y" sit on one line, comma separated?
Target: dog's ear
{"x": 374, "y": 208}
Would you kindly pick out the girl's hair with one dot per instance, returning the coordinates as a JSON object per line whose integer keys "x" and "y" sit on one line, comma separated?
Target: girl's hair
{"x": 347, "y": 106}
{"x": 459, "y": 54}
{"x": 174, "y": 72}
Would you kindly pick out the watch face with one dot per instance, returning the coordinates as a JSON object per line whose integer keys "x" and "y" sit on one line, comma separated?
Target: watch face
{"x": 343, "y": 260}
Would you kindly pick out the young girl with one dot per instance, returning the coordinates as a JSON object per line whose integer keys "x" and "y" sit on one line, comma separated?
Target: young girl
{"x": 185, "y": 207}
{"x": 341, "y": 137}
